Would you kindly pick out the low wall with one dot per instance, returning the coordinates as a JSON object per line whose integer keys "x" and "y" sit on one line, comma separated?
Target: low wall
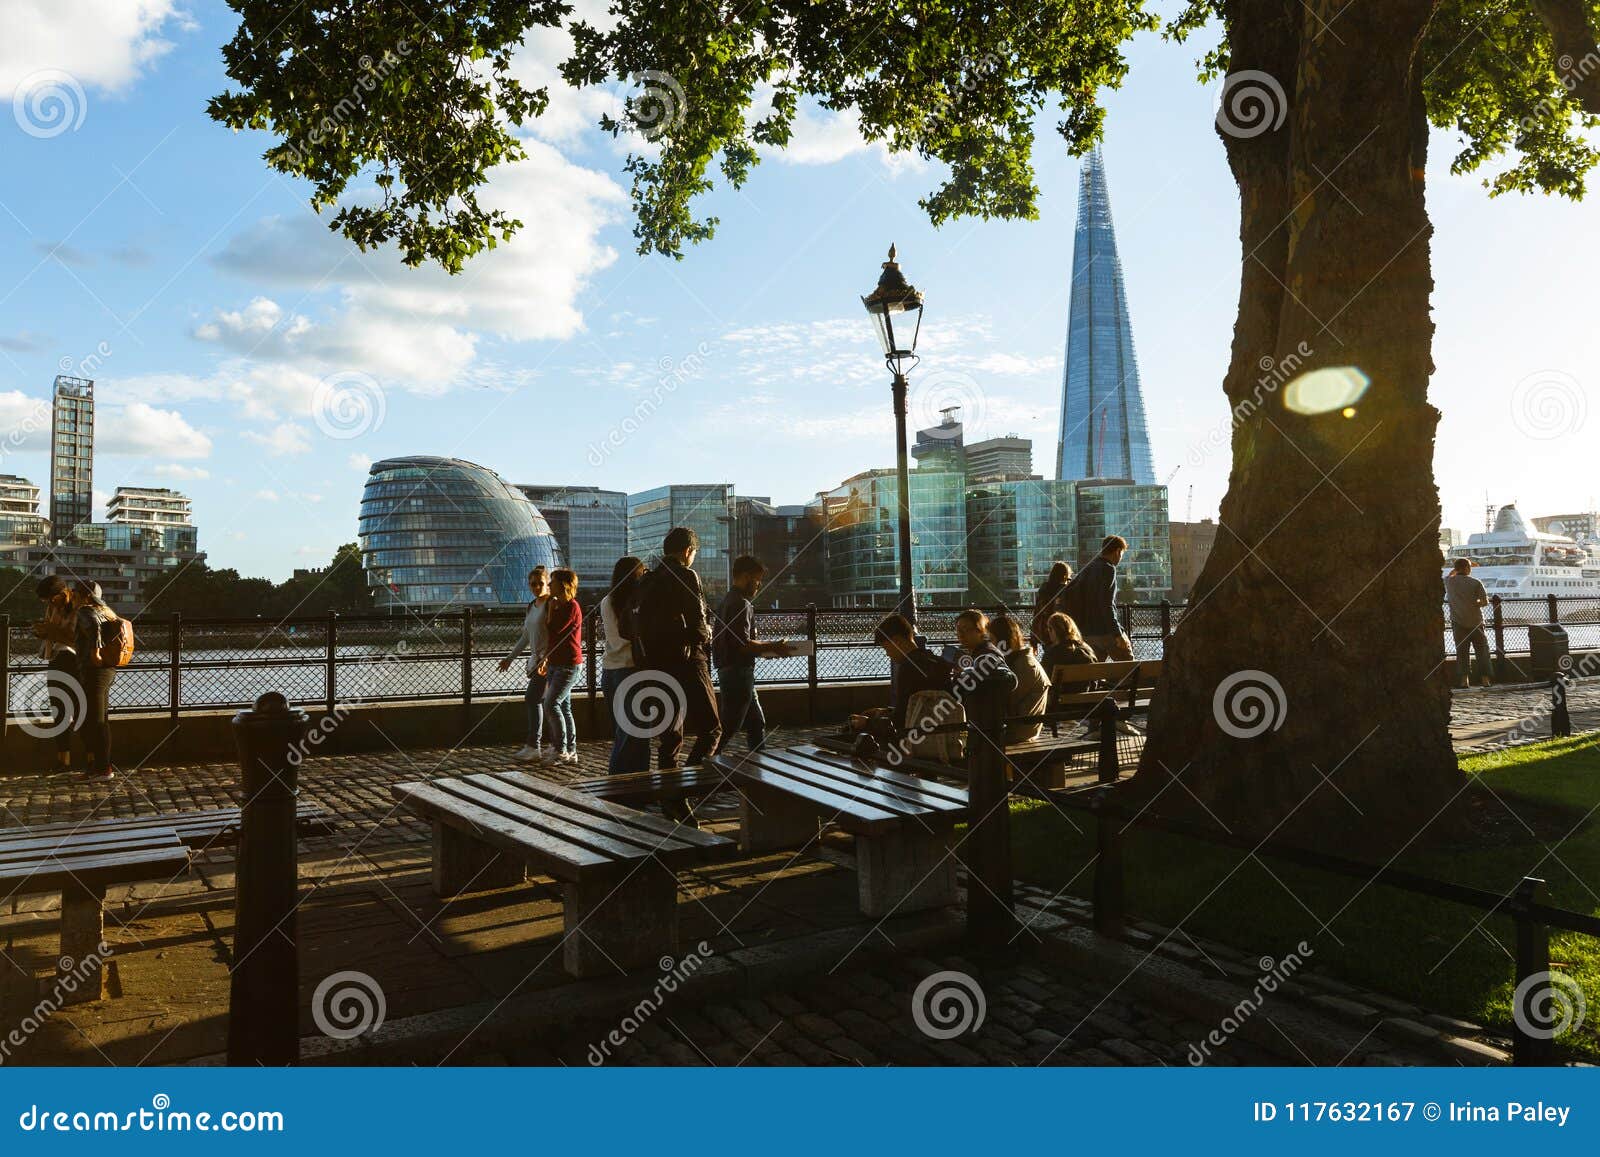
{"x": 193, "y": 737}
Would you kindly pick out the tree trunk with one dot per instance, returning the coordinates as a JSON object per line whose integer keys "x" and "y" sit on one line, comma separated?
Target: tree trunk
{"x": 1304, "y": 693}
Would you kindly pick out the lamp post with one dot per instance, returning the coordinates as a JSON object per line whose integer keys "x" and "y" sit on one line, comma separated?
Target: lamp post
{"x": 894, "y": 294}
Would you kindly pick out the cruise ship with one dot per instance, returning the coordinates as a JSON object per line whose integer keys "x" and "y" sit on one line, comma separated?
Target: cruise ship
{"x": 1513, "y": 560}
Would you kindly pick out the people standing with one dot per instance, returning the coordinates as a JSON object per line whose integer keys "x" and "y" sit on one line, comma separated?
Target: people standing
{"x": 630, "y": 751}
{"x": 734, "y": 650}
{"x": 1091, "y": 599}
{"x": 1046, "y": 602}
{"x": 61, "y": 663}
{"x": 675, "y": 634}
{"x": 1033, "y": 685}
{"x": 563, "y": 664}
{"x": 96, "y": 673}
{"x": 532, "y": 639}
{"x": 1467, "y": 598}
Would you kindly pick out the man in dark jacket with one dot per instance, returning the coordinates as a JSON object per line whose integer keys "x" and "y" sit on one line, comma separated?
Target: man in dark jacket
{"x": 675, "y": 636}
{"x": 1092, "y": 597}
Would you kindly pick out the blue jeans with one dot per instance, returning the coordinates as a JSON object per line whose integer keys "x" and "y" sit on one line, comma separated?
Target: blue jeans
{"x": 740, "y": 706}
{"x": 559, "y": 682}
{"x": 628, "y": 752}
{"x": 533, "y": 697}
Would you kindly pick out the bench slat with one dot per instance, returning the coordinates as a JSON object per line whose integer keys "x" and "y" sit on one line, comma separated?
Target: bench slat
{"x": 51, "y": 874}
{"x": 550, "y": 855}
{"x": 187, "y": 824}
{"x": 649, "y": 827}
{"x": 849, "y": 813}
{"x": 954, "y": 795}
{"x": 104, "y": 844}
{"x": 615, "y": 843}
{"x": 912, "y": 800}
{"x": 862, "y": 786}
{"x": 655, "y": 786}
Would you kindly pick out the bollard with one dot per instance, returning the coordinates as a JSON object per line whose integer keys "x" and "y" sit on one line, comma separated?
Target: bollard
{"x": 991, "y": 919}
{"x": 264, "y": 995}
{"x": 1110, "y": 908}
{"x": 1560, "y": 718}
{"x": 1533, "y": 1033}
{"x": 1105, "y": 714}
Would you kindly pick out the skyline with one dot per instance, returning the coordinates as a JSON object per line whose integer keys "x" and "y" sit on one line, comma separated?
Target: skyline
{"x": 211, "y": 307}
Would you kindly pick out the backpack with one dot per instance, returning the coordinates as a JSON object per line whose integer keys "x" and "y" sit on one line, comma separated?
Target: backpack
{"x": 115, "y": 648}
{"x": 658, "y": 629}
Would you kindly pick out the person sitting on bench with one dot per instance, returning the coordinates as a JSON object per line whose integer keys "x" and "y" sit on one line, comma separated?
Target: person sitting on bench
{"x": 918, "y": 681}
{"x": 1033, "y": 685}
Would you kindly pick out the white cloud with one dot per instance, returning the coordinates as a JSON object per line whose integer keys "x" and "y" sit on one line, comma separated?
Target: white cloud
{"x": 103, "y": 44}
{"x": 284, "y": 438}
{"x": 142, "y": 430}
{"x": 266, "y": 496}
{"x": 359, "y": 463}
{"x": 180, "y": 473}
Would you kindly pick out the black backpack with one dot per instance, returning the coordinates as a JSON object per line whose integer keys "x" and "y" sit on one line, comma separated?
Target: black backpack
{"x": 657, "y": 625}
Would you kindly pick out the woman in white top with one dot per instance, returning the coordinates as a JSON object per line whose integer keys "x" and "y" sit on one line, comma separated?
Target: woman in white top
{"x": 534, "y": 641}
{"x": 630, "y": 748}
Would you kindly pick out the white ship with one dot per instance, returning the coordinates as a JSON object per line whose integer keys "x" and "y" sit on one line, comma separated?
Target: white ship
{"x": 1514, "y": 561}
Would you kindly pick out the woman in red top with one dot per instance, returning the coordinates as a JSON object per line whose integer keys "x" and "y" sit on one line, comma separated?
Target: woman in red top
{"x": 563, "y": 656}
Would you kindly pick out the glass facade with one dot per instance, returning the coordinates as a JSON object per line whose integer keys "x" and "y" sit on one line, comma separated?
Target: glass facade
{"x": 71, "y": 454}
{"x": 442, "y": 534}
{"x": 1016, "y": 531}
{"x": 862, "y": 554}
{"x": 1103, "y": 431}
{"x": 591, "y": 528}
{"x": 1138, "y": 514}
{"x": 21, "y": 524}
{"x": 707, "y": 509}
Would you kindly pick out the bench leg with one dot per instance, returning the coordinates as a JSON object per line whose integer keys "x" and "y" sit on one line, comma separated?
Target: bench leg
{"x": 770, "y": 820}
{"x": 82, "y": 932}
{"x": 909, "y": 870}
{"x": 462, "y": 864}
{"x": 614, "y": 924}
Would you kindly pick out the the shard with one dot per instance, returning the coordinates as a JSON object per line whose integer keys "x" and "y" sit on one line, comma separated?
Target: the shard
{"x": 1103, "y": 430}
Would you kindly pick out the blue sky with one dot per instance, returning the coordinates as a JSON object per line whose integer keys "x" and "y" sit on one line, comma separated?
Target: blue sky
{"x": 149, "y": 248}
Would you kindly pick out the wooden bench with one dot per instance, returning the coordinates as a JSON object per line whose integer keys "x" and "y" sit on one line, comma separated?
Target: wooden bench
{"x": 616, "y": 865}
{"x": 81, "y": 865}
{"x": 201, "y": 829}
{"x": 903, "y": 825}
{"x": 635, "y": 789}
{"x": 1040, "y": 762}
{"x": 1129, "y": 682}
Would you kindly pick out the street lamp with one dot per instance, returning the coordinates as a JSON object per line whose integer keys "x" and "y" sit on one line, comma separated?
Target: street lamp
{"x": 895, "y": 295}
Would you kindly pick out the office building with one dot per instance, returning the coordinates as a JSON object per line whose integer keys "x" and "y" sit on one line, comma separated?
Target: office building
{"x": 1191, "y": 546}
{"x": 1139, "y": 515}
{"x": 158, "y": 509}
{"x": 941, "y": 447}
{"x": 442, "y": 534}
{"x": 862, "y": 542}
{"x": 71, "y": 455}
{"x": 128, "y": 562}
{"x": 591, "y": 528}
{"x": 999, "y": 459}
{"x": 705, "y": 508}
{"x": 1103, "y": 430}
{"x": 1016, "y": 530}
{"x": 789, "y": 540}
{"x": 21, "y": 524}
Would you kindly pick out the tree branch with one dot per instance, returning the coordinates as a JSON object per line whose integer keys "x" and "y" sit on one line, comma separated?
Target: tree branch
{"x": 1577, "y": 56}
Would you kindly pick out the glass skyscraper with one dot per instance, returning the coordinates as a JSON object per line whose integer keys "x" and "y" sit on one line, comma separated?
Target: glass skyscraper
{"x": 71, "y": 455}
{"x": 1103, "y": 431}
{"x": 862, "y": 555}
{"x": 1017, "y": 530}
{"x": 706, "y": 509}
{"x": 442, "y": 534}
{"x": 1138, "y": 514}
{"x": 591, "y": 528}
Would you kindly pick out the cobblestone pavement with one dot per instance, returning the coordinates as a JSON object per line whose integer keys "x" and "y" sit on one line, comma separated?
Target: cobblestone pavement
{"x": 1482, "y": 719}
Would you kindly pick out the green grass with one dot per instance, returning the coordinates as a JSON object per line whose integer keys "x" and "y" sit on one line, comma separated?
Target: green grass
{"x": 1444, "y": 956}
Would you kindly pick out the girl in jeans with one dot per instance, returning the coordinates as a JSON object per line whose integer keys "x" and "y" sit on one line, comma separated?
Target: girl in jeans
{"x": 89, "y": 613}
{"x": 630, "y": 751}
{"x": 563, "y": 663}
{"x": 533, "y": 638}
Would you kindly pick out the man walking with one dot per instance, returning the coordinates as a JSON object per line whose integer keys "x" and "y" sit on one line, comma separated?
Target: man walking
{"x": 676, "y": 638}
{"x": 735, "y": 651}
{"x": 1467, "y": 598}
{"x": 1091, "y": 600}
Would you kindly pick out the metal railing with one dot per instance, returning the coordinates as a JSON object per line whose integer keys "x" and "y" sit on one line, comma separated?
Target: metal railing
{"x": 187, "y": 664}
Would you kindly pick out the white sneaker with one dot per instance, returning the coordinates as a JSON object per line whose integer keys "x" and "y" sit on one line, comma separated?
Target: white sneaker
{"x": 528, "y": 754}
{"x": 568, "y": 759}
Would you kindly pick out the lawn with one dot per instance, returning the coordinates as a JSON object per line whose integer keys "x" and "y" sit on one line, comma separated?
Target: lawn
{"x": 1443, "y": 956}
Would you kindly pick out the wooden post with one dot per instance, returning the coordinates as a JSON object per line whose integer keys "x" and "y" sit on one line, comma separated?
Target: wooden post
{"x": 1106, "y": 713}
{"x": 1532, "y": 1031}
{"x": 1499, "y": 664}
{"x": 986, "y": 850}
{"x": 1110, "y": 905}
{"x": 264, "y": 996}
{"x": 175, "y": 666}
{"x": 1560, "y": 720}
